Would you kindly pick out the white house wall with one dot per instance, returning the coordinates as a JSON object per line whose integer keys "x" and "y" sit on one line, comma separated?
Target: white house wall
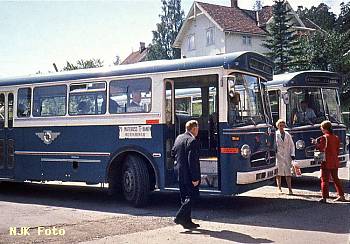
{"x": 199, "y": 27}
{"x": 234, "y": 43}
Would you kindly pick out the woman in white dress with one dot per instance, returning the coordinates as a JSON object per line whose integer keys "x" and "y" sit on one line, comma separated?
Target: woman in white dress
{"x": 284, "y": 156}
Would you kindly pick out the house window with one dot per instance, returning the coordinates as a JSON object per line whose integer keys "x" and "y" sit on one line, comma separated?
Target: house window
{"x": 191, "y": 42}
{"x": 247, "y": 40}
{"x": 210, "y": 36}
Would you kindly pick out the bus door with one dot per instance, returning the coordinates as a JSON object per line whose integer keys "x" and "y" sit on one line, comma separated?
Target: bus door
{"x": 7, "y": 163}
{"x": 169, "y": 133}
{"x": 196, "y": 99}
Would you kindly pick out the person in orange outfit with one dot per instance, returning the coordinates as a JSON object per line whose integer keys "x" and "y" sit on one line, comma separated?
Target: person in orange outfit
{"x": 330, "y": 144}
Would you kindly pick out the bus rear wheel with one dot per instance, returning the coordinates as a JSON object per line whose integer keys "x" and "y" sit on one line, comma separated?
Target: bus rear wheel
{"x": 135, "y": 181}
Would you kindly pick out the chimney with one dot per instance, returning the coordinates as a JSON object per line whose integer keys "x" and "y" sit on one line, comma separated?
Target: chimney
{"x": 257, "y": 18}
{"x": 142, "y": 47}
{"x": 234, "y": 3}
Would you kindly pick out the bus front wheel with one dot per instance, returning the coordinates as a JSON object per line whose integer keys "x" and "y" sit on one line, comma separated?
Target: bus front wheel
{"x": 135, "y": 181}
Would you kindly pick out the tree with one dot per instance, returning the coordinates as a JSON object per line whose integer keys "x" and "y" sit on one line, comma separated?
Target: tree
{"x": 282, "y": 41}
{"x": 84, "y": 64}
{"x": 343, "y": 21}
{"x": 327, "y": 51}
{"x": 163, "y": 38}
{"x": 320, "y": 15}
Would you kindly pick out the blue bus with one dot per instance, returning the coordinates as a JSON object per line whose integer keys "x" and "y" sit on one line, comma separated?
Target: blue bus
{"x": 117, "y": 125}
{"x": 304, "y": 99}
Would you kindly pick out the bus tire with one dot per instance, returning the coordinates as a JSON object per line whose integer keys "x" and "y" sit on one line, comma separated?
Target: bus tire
{"x": 135, "y": 181}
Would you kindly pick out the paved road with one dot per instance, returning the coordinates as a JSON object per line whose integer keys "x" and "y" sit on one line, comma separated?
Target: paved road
{"x": 89, "y": 215}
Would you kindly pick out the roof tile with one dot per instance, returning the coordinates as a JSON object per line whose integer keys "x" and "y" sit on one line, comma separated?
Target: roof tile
{"x": 232, "y": 19}
{"x": 135, "y": 57}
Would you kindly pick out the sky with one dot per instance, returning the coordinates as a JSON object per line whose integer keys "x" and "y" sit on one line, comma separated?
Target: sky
{"x": 36, "y": 34}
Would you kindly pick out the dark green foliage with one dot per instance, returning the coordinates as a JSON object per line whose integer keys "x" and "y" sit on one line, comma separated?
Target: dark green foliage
{"x": 171, "y": 20}
{"x": 329, "y": 49}
{"x": 326, "y": 51}
{"x": 320, "y": 15}
{"x": 84, "y": 64}
{"x": 343, "y": 21}
{"x": 282, "y": 40}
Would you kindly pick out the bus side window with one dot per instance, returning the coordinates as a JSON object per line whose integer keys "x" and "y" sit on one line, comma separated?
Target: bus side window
{"x": 130, "y": 96}
{"x": 49, "y": 101}
{"x": 23, "y": 102}
{"x": 87, "y": 98}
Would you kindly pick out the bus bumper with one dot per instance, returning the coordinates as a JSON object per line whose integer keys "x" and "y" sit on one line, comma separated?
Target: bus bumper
{"x": 308, "y": 163}
{"x": 244, "y": 178}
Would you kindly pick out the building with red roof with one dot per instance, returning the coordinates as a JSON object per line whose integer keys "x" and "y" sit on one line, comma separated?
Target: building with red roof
{"x": 211, "y": 29}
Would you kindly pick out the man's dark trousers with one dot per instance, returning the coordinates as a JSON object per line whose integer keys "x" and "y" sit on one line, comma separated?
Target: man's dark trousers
{"x": 188, "y": 195}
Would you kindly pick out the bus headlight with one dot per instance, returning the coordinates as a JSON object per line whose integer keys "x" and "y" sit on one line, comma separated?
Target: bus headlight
{"x": 300, "y": 145}
{"x": 245, "y": 151}
{"x": 347, "y": 140}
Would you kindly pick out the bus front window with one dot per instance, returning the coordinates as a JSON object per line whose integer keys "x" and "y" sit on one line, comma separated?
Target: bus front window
{"x": 305, "y": 106}
{"x": 244, "y": 100}
{"x": 332, "y": 105}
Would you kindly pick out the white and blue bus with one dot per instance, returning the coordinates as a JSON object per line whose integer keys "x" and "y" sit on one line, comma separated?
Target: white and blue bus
{"x": 117, "y": 125}
{"x": 304, "y": 99}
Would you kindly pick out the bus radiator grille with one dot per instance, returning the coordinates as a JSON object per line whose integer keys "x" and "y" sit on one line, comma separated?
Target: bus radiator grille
{"x": 262, "y": 158}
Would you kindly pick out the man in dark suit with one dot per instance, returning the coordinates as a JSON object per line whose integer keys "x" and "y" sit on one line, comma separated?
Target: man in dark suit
{"x": 186, "y": 152}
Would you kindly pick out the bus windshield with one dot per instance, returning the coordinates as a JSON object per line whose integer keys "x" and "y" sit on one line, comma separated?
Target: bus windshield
{"x": 309, "y": 106}
{"x": 245, "y": 102}
{"x": 332, "y": 105}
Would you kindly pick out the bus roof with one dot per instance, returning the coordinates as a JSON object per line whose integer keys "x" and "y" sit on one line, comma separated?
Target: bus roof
{"x": 306, "y": 78}
{"x": 247, "y": 61}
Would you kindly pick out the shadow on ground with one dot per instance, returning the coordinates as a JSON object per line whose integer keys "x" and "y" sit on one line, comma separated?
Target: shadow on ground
{"x": 228, "y": 235}
{"x": 295, "y": 212}
{"x": 312, "y": 183}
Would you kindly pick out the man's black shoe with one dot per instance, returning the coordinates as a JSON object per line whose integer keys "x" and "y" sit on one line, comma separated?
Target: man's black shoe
{"x": 196, "y": 225}
{"x": 190, "y": 225}
{"x": 186, "y": 224}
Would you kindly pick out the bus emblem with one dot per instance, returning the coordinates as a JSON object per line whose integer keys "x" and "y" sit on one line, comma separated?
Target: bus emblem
{"x": 47, "y": 136}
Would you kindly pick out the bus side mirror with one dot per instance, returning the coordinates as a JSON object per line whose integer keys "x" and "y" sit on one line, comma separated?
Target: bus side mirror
{"x": 285, "y": 98}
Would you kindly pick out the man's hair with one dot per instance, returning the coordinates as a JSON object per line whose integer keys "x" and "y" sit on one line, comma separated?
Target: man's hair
{"x": 279, "y": 122}
{"x": 191, "y": 124}
{"x": 327, "y": 125}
